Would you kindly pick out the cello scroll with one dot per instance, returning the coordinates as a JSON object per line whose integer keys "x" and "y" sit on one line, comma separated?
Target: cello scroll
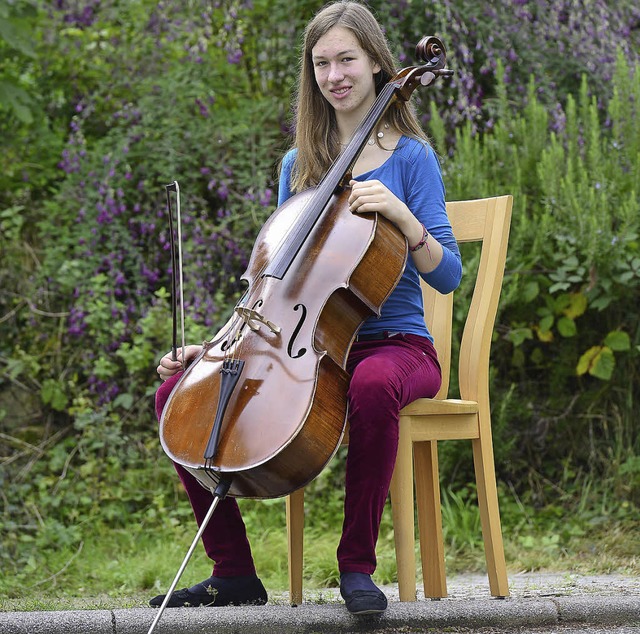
{"x": 431, "y": 50}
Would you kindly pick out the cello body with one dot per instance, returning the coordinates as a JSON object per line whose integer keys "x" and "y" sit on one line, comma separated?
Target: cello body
{"x": 287, "y": 412}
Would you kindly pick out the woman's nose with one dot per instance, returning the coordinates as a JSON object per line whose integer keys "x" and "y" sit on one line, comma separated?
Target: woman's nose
{"x": 335, "y": 73}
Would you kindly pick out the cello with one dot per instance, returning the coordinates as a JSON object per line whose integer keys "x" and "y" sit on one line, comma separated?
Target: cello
{"x": 263, "y": 408}
{"x": 316, "y": 273}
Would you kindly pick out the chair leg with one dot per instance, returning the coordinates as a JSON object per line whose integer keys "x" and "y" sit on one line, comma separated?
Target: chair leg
{"x": 430, "y": 518}
{"x": 490, "y": 517}
{"x": 402, "y": 510}
{"x": 295, "y": 536}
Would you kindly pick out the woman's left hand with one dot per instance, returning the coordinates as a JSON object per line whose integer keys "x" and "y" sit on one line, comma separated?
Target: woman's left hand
{"x": 374, "y": 196}
{"x": 368, "y": 196}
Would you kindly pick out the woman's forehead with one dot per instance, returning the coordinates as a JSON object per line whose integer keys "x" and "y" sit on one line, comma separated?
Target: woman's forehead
{"x": 337, "y": 40}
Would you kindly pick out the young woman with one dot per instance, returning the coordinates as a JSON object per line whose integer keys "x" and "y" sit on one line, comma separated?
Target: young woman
{"x": 346, "y": 59}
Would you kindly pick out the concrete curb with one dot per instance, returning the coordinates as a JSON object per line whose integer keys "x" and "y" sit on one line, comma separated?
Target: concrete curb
{"x": 333, "y": 618}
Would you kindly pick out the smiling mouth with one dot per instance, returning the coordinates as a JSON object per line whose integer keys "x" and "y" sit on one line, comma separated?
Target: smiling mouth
{"x": 340, "y": 91}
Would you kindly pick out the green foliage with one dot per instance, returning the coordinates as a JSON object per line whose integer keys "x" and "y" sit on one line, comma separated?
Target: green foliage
{"x": 567, "y": 316}
{"x": 15, "y": 46}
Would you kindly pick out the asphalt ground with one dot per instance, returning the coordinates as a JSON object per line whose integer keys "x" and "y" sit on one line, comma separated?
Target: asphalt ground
{"x": 536, "y": 601}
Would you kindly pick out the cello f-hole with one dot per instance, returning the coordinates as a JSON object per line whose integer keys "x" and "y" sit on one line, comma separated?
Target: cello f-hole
{"x": 296, "y": 330}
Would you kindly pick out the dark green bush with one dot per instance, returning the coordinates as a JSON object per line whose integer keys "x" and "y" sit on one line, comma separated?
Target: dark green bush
{"x": 567, "y": 342}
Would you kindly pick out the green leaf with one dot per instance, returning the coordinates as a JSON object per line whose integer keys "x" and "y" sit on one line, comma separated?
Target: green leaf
{"x": 17, "y": 34}
{"x": 53, "y": 394}
{"x": 601, "y": 303}
{"x": 537, "y": 357}
{"x": 518, "y": 336}
{"x": 567, "y": 327}
{"x": 123, "y": 400}
{"x": 17, "y": 99}
{"x": 618, "y": 340}
{"x": 598, "y": 361}
{"x": 604, "y": 364}
{"x": 586, "y": 360}
{"x": 577, "y": 305}
{"x": 530, "y": 291}
{"x": 559, "y": 286}
{"x": 546, "y": 323}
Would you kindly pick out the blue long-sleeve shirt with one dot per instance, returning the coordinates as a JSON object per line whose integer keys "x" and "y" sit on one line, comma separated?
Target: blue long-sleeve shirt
{"x": 412, "y": 173}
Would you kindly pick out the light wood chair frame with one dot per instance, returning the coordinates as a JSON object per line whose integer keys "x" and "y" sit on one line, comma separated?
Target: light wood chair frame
{"x": 426, "y": 421}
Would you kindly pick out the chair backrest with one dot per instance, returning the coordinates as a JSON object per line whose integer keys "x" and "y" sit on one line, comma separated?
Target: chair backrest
{"x": 487, "y": 221}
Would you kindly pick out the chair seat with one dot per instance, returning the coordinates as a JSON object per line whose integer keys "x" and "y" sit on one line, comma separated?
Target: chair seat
{"x": 441, "y": 419}
{"x": 433, "y": 407}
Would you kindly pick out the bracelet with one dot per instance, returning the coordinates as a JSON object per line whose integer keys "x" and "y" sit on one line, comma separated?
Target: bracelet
{"x": 423, "y": 240}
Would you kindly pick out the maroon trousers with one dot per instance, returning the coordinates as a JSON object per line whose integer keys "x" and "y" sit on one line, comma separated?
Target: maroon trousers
{"x": 386, "y": 375}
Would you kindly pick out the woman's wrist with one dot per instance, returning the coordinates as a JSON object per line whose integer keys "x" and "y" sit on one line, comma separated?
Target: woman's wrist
{"x": 422, "y": 242}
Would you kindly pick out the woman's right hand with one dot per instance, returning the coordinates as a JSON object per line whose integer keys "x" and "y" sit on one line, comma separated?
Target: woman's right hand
{"x": 168, "y": 367}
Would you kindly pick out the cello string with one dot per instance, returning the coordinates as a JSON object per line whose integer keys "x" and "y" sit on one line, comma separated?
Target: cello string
{"x": 310, "y": 214}
{"x": 306, "y": 220}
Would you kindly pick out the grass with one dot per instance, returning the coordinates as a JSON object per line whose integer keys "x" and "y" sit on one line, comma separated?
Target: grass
{"x": 124, "y": 567}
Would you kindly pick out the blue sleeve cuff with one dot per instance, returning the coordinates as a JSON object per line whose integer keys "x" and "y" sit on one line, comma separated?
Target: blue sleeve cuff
{"x": 446, "y": 276}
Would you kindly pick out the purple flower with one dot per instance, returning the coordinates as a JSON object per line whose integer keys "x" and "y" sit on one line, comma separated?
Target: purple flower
{"x": 223, "y": 191}
{"x": 204, "y": 111}
{"x": 234, "y": 57}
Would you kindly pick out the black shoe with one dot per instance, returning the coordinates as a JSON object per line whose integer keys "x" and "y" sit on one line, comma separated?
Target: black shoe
{"x": 366, "y": 602}
{"x": 217, "y": 591}
{"x": 361, "y": 595}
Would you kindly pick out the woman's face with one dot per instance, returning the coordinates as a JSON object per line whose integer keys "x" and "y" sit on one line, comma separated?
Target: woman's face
{"x": 344, "y": 72}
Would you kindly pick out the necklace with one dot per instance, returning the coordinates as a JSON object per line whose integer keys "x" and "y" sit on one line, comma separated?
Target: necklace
{"x": 380, "y": 135}
{"x": 371, "y": 141}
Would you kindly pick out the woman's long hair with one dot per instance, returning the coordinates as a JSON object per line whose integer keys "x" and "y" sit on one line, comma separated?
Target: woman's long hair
{"x": 316, "y": 133}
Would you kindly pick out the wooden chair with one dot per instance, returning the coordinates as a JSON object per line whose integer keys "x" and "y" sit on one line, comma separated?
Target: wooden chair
{"x": 426, "y": 421}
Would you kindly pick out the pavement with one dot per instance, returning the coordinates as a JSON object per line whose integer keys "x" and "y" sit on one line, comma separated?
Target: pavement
{"x": 537, "y": 600}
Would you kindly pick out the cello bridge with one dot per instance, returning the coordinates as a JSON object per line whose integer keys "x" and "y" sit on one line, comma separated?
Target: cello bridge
{"x": 253, "y": 319}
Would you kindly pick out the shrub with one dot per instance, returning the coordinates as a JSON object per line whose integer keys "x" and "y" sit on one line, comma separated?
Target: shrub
{"x": 567, "y": 347}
